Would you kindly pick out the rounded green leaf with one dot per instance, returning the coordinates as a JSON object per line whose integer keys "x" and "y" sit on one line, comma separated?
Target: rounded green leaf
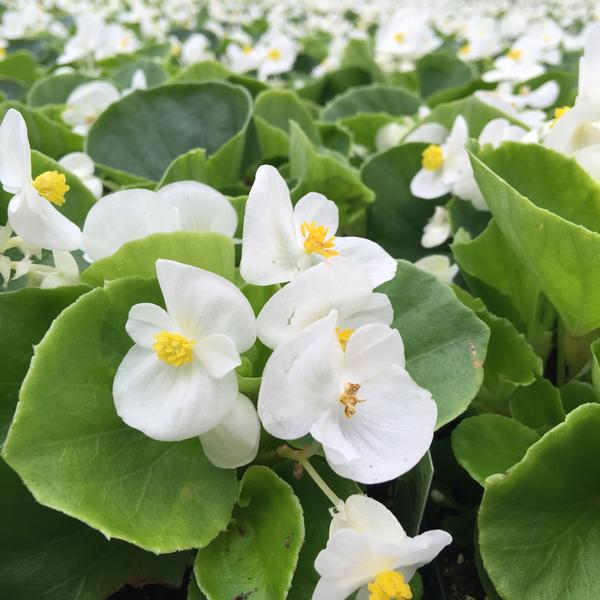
{"x": 190, "y": 166}
{"x": 441, "y": 74}
{"x": 211, "y": 251}
{"x": 55, "y": 89}
{"x": 20, "y": 65}
{"x": 540, "y": 523}
{"x": 256, "y": 557}
{"x": 445, "y": 342}
{"x": 145, "y": 131}
{"x": 47, "y": 555}
{"x": 76, "y": 455}
{"x": 488, "y": 444}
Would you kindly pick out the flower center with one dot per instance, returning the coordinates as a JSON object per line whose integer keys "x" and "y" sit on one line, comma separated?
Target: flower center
{"x": 316, "y": 241}
{"x": 465, "y": 50}
{"x": 514, "y": 54}
{"x": 274, "y": 54}
{"x": 343, "y": 336}
{"x": 349, "y": 400}
{"x": 558, "y": 113}
{"x": 173, "y": 348}
{"x": 389, "y": 585}
{"x": 248, "y": 49}
{"x": 52, "y": 185}
{"x": 432, "y": 158}
{"x": 399, "y": 38}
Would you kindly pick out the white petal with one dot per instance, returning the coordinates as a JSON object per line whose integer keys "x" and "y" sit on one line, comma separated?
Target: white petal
{"x": 416, "y": 552}
{"x": 234, "y": 441}
{"x": 35, "y": 220}
{"x": 369, "y": 256}
{"x": 145, "y": 321}
{"x": 300, "y": 381}
{"x": 204, "y": 303}
{"x": 544, "y": 96}
{"x": 391, "y": 429}
{"x": 438, "y": 265}
{"x": 15, "y": 155}
{"x": 316, "y": 208}
{"x": 270, "y": 249}
{"x": 589, "y": 159}
{"x": 310, "y": 297}
{"x": 431, "y": 133}
{"x": 78, "y": 163}
{"x": 201, "y": 207}
{"x": 428, "y": 184}
{"x": 218, "y": 354}
{"x": 123, "y": 217}
{"x": 170, "y": 403}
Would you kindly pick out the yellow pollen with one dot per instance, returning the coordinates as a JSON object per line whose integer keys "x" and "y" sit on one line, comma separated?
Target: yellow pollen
{"x": 399, "y": 38}
{"x": 52, "y": 185}
{"x": 124, "y": 41}
{"x": 349, "y": 400}
{"x": 466, "y": 49}
{"x": 247, "y": 49}
{"x": 316, "y": 241}
{"x": 432, "y": 158}
{"x": 389, "y": 585}
{"x": 343, "y": 336}
{"x": 2, "y": 53}
{"x": 274, "y": 54}
{"x": 173, "y": 348}
{"x": 558, "y": 113}
{"x": 514, "y": 54}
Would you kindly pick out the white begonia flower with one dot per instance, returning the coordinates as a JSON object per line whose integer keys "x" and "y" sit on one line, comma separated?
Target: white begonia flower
{"x": 481, "y": 39}
{"x": 391, "y": 135}
{"x": 133, "y": 214}
{"x": 117, "y": 40}
{"x": 446, "y": 167}
{"x": 277, "y": 54}
{"x": 438, "y": 265}
{"x": 86, "y": 103}
{"x": 280, "y": 241}
{"x": 311, "y": 297}
{"x": 195, "y": 49}
{"x": 80, "y": 164}
{"x": 353, "y": 395}
{"x": 66, "y": 271}
{"x": 138, "y": 82}
{"x": 541, "y": 97}
{"x": 243, "y": 57}
{"x": 437, "y": 230}
{"x": 31, "y": 213}
{"x": 520, "y": 63}
{"x": 178, "y": 380}
{"x": 407, "y": 34}
{"x": 88, "y": 38}
{"x": 368, "y": 551}
{"x": 497, "y": 131}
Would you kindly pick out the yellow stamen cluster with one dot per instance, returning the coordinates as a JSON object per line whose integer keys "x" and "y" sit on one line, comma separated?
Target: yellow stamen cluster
{"x": 432, "y": 158}
{"x": 52, "y": 185}
{"x": 316, "y": 240}
{"x": 399, "y": 38}
{"x": 343, "y": 336}
{"x": 274, "y": 54}
{"x": 514, "y": 54}
{"x": 465, "y": 50}
{"x": 349, "y": 400}
{"x": 389, "y": 585}
{"x": 558, "y": 113}
{"x": 247, "y": 49}
{"x": 173, "y": 348}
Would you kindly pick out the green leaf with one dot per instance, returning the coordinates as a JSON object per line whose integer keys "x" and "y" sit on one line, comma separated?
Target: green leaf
{"x": 13, "y": 89}
{"x": 575, "y": 393}
{"x": 595, "y": 347}
{"x": 20, "y": 65}
{"x": 553, "y": 231}
{"x": 25, "y": 316}
{"x": 445, "y": 342}
{"x": 145, "y": 131}
{"x": 45, "y": 554}
{"x": 359, "y": 53}
{"x": 396, "y": 219}
{"x": 55, "y": 89}
{"x": 374, "y": 98}
{"x": 47, "y": 136}
{"x": 488, "y": 444}
{"x": 76, "y": 455}
{"x": 154, "y": 72}
{"x": 334, "y": 83}
{"x": 316, "y": 506}
{"x": 201, "y": 72}
{"x": 211, "y": 251}
{"x": 440, "y": 72}
{"x": 257, "y": 556}
{"x": 326, "y": 175}
{"x": 538, "y": 405}
{"x": 191, "y": 166}
{"x": 540, "y": 523}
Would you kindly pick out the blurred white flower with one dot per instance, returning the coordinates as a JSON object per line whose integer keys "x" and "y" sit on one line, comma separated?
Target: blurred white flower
{"x": 86, "y": 103}
{"x": 437, "y": 230}
{"x": 438, "y": 265}
{"x": 80, "y": 164}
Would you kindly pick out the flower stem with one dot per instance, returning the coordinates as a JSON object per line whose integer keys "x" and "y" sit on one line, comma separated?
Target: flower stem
{"x": 320, "y": 482}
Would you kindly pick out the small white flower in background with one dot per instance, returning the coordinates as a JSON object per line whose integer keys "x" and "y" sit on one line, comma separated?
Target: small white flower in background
{"x": 391, "y": 135}
{"x": 117, "y": 40}
{"x": 86, "y": 103}
{"x": 351, "y": 392}
{"x": 501, "y": 130}
{"x": 520, "y": 63}
{"x": 280, "y": 240}
{"x": 532, "y": 118}
{"x": 31, "y": 212}
{"x": 195, "y": 49}
{"x": 481, "y": 39}
{"x": 312, "y": 296}
{"x": 80, "y": 164}
{"x": 445, "y": 164}
{"x": 178, "y": 381}
{"x": 138, "y": 82}
{"x": 438, "y": 229}
{"x": 541, "y": 97}
{"x": 368, "y": 551}
{"x": 7, "y": 264}
{"x": 438, "y": 265}
{"x": 88, "y": 38}
{"x": 242, "y": 58}
{"x": 277, "y": 54}
{"x": 133, "y": 214}
{"x": 66, "y": 271}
